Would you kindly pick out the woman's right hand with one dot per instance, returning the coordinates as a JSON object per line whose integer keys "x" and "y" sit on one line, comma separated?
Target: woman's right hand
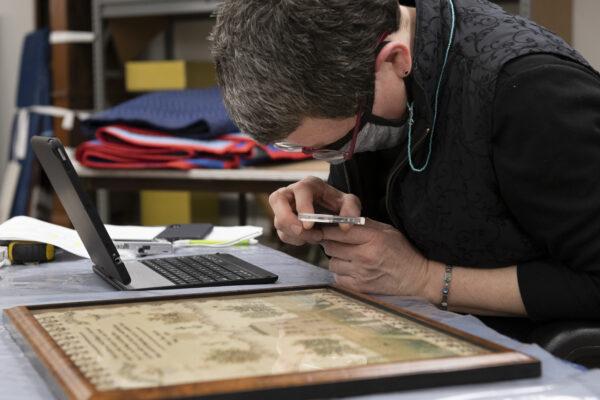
{"x": 303, "y": 197}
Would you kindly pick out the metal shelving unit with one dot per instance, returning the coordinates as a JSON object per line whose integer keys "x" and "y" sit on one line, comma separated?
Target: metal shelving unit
{"x": 102, "y": 10}
{"x": 105, "y": 9}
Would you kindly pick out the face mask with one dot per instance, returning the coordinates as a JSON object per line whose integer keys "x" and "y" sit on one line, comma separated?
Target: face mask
{"x": 377, "y": 133}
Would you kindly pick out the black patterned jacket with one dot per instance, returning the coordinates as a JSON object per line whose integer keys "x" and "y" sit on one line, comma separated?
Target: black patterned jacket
{"x": 486, "y": 199}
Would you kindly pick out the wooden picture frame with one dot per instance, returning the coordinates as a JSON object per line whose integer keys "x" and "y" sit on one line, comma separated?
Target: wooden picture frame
{"x": 298, "y": 342}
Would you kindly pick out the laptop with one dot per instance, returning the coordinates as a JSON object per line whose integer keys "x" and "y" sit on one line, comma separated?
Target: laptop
{"x": 148, "y": 273}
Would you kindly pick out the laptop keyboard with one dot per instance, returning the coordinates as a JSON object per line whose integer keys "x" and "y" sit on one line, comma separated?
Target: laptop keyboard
{"x": 198, "y": 269}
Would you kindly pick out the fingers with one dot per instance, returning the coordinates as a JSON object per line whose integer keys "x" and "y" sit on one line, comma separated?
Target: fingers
{"x": 344, "y": 274}
{"x": 313, "y": 192}
{"x": 356, "y": 261}
{"x": 347, "y": 282}
{"x": 350, "y": 207}
{"x": 285, "y": 202}
{"x": 355, "y": 265}
{"x": 337, "y": 250}
{"x": 290, "y": 239}
{"x": 361, "y": 279}
{"x": 285, "y": 221}
{"x": 298, "y": 197}
{"x": 302, "y": 197}
{"x": 305, "y": 194}
{"x": 354, "y": 234}
{"x": 296, "y": 234}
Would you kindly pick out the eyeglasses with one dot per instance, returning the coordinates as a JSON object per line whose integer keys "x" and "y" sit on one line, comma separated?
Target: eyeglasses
{"x": 331, "y": 152}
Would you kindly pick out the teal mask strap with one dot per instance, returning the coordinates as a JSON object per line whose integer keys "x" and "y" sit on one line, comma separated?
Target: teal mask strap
{"x": 435, "y": 104}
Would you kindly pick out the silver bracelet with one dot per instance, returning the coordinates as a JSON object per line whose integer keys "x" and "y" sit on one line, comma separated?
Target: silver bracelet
{"x": 446, "y": 287}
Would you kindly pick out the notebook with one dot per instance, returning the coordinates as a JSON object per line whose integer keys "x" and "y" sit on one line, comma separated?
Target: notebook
{"x": 142, "y": 274}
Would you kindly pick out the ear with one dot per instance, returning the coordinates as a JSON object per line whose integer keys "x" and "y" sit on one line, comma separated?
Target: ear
{"x": 399, "y": 55}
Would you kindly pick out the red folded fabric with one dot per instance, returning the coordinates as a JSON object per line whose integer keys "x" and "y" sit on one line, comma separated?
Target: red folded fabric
{"x": 126, "y": 147}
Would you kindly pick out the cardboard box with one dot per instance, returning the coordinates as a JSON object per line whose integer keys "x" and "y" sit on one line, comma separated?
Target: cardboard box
{"x": 146, "y": 76}
{"x": 169, "y": 207}
{"x": 164, "y": 207}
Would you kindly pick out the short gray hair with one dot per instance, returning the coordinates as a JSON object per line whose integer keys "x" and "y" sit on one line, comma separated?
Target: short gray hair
{"x": 280, "y": 61}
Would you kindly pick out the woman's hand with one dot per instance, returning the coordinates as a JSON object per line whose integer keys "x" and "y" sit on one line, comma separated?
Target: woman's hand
{"x": 303, "y": 197}
{"x": 376, "y": 258}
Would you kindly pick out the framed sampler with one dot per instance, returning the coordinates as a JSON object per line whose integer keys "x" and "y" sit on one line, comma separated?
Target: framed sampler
{"x": 295, "y": 342}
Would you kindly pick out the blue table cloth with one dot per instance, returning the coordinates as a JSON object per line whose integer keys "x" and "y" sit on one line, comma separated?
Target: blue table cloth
{"x": 71, "y": 279}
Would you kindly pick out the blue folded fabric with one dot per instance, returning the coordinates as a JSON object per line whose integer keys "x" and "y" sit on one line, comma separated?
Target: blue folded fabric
{"x": 195, "y": 113}
{"x": 34, "y": 75}
{"x": 34, "y": 89}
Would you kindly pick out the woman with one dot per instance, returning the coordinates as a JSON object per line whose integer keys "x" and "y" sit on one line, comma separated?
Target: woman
{"x": 469, "y": 137}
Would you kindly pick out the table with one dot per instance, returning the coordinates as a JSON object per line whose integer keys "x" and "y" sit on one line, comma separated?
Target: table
{"x": 260, "y": 179}
{"x": 249, "y": 179}
{"x": 70, "y": 279}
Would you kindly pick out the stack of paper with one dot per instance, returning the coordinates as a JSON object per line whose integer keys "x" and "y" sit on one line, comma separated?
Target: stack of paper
{"x": 222, "y": 236}
{"x": 32, "y": 229}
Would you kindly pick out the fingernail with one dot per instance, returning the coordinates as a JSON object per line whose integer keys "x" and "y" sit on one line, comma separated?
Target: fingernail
{"x": 297, "y": 229}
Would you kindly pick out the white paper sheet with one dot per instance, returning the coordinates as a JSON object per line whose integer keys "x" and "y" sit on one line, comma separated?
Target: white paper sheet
{"x": 133, "y": 232}
{"x": 32, "y": 229}
{"x": 223, "y": 236}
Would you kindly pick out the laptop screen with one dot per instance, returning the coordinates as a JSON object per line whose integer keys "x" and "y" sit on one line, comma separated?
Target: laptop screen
{"x": 83, "y": 215}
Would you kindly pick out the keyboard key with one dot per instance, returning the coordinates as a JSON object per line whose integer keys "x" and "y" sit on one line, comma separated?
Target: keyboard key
{"x": 198, "y": 269}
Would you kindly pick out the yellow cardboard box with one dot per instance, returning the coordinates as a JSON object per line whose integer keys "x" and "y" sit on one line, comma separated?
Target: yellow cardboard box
{"x": 146, "y": 76}
{"x": 170, "y": 207}
{"x": 164, "y": 207}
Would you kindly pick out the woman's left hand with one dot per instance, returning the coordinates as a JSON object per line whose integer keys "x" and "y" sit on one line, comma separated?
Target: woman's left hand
{"x": 375, "y": 258}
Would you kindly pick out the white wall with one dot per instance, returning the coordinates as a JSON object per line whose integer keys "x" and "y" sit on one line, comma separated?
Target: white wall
{"x": 16, "y": 20}
{"x": 586, "y": 30}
